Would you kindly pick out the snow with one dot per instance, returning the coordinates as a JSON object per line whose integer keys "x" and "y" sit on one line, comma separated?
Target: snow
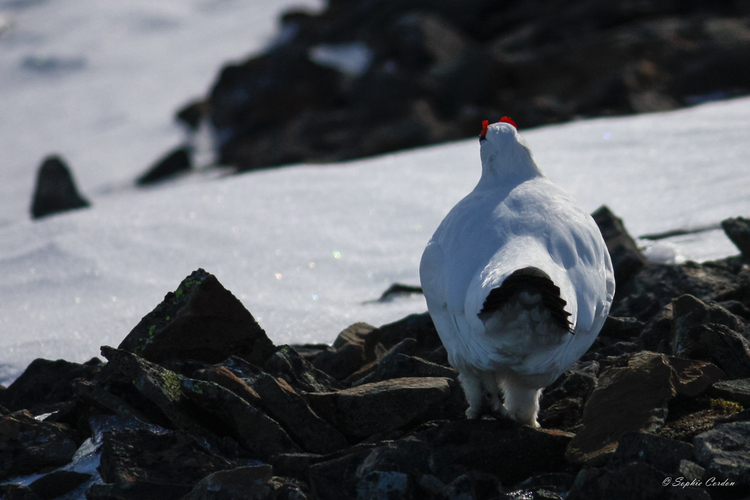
{"x": 306, "y": 249}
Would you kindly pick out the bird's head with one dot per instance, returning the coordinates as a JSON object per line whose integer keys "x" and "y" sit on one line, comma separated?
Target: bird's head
{"x": 504, "y": 151}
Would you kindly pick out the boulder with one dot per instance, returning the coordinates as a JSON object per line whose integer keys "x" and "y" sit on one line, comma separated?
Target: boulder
{"x": 738, "y": 230}
{"x": 46, "y": 382}
{"x": 28, "y": 445}
{"x": 369, "y": 409}
{"x": 627, "y": 259}
{"x": 143, "y": 456}
{"x": 733, "y": 390}
{"x": 226, "y": 414}
{"x": 277, "y": 398}
{"x": 55, "y": 189}
{"x": 725, "y": 454}
{"x": 173, "y": 163}
{"x": 634, "y": 398}
{"x": 200, "y": 320}
{"x": 58, "y": 483}
{"x": 242, "y": 483}
{"x": 288, "y": 365}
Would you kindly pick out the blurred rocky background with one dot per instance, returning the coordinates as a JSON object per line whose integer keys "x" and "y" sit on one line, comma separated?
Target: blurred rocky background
{"x": 362, "y": 77}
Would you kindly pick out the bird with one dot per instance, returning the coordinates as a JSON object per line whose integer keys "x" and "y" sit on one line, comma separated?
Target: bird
{"x": 518, "y": 281}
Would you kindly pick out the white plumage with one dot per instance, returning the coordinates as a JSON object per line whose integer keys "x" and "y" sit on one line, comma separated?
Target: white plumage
{"x": 518, "y": 280}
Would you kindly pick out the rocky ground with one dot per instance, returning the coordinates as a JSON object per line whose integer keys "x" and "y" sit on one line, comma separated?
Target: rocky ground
{"x": 365, "y": 77}
{"x": 197, "y": 403}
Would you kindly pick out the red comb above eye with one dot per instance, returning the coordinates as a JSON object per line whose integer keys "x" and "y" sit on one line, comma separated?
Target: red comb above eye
{"x": 508, "y": 119}
{"x": 485, "y": 124}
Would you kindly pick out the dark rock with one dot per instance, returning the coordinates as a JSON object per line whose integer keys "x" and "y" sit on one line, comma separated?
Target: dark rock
{"x": 572, "y": 384}
{"x": 368, "y": 409}
{"x": 725, "y": 453}
{"x": 28, "y": 445}
{"x": 627, "y": 260}
{"x": 473, "y": 484}
{"x": 416, "y": 326}
{"x": 58, "y": 483}
{"x": 336, "y": 478}
{"x": 390, "y": 485}
{"x": 242, "y": 483}
{"x": 661, "y": 453}
{"x": 733, "y": 390}
{"x": 635, "y": 480}
{"x": 622, "y": 328}
{"x": 397, "y": 365}
{"x": 347, "y": 353}
{"x": 564, "y": 414}
{"x": 172, "y": 164}
{"x": 288, "y": 365}
{"x": 397, "y": 290}
{"x": 738, "y": 230}
{"x": 192, "y": 114}
{"x": 282, "y": 403}
{"x": 55, "y": 189}
{"x": 161, "y": 387}
{"x": 229, "y": 414}
{"x": 634, "y": 398}
{"x": 94, "y": 394}
{"x": 200, "y": 320}
{"x": 141, "y": 490}
{"x": 690, "y": 471}
{"x": 513, "y": 454}
{"x": 135, "y": 456}
{"x": 718, "y": 344}
{"x": 16, "y": 491}
{"x": 657, "y": 335}
{"x": 556, "y": 482}
{"x": 46, "y": 382}
{"x": 688, "y": 311}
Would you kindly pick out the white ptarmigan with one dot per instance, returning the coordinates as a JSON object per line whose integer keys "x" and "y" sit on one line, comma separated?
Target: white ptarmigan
{"x": 518, "y": 280}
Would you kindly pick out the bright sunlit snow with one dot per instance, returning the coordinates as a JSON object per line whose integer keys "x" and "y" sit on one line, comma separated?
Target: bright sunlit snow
{"x": 306, "y": 249}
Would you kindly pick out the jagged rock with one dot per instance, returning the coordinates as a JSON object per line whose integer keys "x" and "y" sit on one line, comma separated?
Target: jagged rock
{"x": 657, "y": 334}
{"x": 347, "y": 353}
{"x": 200, "y": 320}
{"x": 634, "y": 398}
{"x": 58, "y": 483}
{"x": 733, "y": 390}
{"x": 28, "y": 445}
{"x": 282, "y": 403}
{"x": 94, "y": 394}
{"x": 725, "y": 454}
{"x": 710, "y": 333}
{"x": 161, "y": 387}
{"x": 336, "y": 478}
{"x": 622, "y": 328}
{"x": 55, "y": 189}
{"x": 661, "y": 453}
{"x": 513, "y": 454}
{"x": 173, "y": 163}
{"x": 415, "y": 326}
{"x": 288, "y": 365}
{"x": 16, "y": 491}
{"x": 142, "y": 456}
{"x": 627, "y": 260}
{"x": 390, "y": 485}
{"x": 192, "y": 114}
{"x": 397, "y": 365}
{"x": 46, "y": 382}
{"x": 635, "y": 480}
{"x": 141, "y": 490}
{"x": 229, "y": 414}
{"x": 738, "y": 230}
{"x": 242, "y": 483}
{"x": 554, "y": 482}
{"x": 368, "y": 409}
